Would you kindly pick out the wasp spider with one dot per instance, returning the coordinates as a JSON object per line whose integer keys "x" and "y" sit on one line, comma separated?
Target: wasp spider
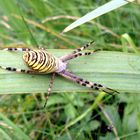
{"x": 41, "y": 62}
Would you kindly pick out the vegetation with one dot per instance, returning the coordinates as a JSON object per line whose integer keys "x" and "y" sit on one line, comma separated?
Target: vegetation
{"x": 72, "y": 112}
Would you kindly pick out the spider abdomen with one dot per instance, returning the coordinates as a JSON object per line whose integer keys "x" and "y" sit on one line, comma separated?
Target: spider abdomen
{"x": 41, "y": 61}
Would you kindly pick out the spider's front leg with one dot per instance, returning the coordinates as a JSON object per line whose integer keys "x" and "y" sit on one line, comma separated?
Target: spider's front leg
{"x": 83, "y": 47}
{"x": 86, "y": 83}
{"x": 75, "y": 52}
{"x": 72, "y": 56}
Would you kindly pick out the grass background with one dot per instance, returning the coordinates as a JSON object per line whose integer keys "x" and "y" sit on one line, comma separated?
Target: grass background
{"x": 70, "y": 115}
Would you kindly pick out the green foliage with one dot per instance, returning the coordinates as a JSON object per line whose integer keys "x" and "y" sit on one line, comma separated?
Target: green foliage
{"x": 116, "y": 70}
{"x": 70, "y": 114}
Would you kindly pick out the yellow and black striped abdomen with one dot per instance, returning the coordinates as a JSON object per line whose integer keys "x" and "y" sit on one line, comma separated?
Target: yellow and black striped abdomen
{"x": 41, "y": 61}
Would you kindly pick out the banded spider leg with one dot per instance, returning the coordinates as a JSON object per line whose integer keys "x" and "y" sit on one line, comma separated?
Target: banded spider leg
{"x": 17, "y": 69}
{"x": 86, "y": 83}
{"x": 76, "y": 53}
{"x": 65, "y": 58}
{"x": 50, "y": 88}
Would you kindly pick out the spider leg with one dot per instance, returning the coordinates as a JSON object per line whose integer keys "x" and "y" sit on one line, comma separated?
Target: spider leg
{"x": 72, "y": 56}
{"x": 83, "y": 47}
{"x": 17, "y": 70}
{"x": 13, "y": 49}
{"x": 66, "y": 57}
{"x": 32, "y": 72}
{"x": 17, "y": 49}
{"x": 50, "y": 88}
{"x": 86, "y": 83}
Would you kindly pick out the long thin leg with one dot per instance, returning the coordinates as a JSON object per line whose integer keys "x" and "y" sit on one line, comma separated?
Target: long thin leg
{"x": 83, "y": 47}
{"x": 12, "y": 49}
{"x": 72, "y": 56}
{"x": 86, "y": 83}
{"x": 65, "y": 57}
{"x": 50, "y": 88}
{"x": 32, "y": 72}
{"x": 17, "y": 49}
{"x": 17, "y": 70}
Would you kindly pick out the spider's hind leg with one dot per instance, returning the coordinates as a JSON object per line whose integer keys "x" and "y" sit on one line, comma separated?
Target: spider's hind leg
{"x": 13, "y": 49}
{"x": 17, "y": 70}
{"x": 16, "y": 49}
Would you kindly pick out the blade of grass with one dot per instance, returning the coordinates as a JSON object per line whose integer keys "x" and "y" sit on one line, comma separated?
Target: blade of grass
{"x": 16, "y": 131}
{"x": 93, "y": 106}
{"x": 42, "y": 27}
{"x": 126, "y": 39}
{"x": 112, "y": 5}
{"x": 4, "y": 135}
{"x": 120, "y": 71}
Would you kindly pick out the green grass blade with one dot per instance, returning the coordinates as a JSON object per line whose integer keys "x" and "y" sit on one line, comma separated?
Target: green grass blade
{"x": 13, "y": 131}
{"x": 126, "y": 39}
{"x": 4, "y": 135}
{"x": 93, "y": 106}
{"x": 120, "y": 71}
{"x": 112, "y": 5}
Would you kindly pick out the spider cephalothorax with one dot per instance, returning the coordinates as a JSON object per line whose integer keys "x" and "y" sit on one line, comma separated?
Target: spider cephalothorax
{"x": 41, "y": 62}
